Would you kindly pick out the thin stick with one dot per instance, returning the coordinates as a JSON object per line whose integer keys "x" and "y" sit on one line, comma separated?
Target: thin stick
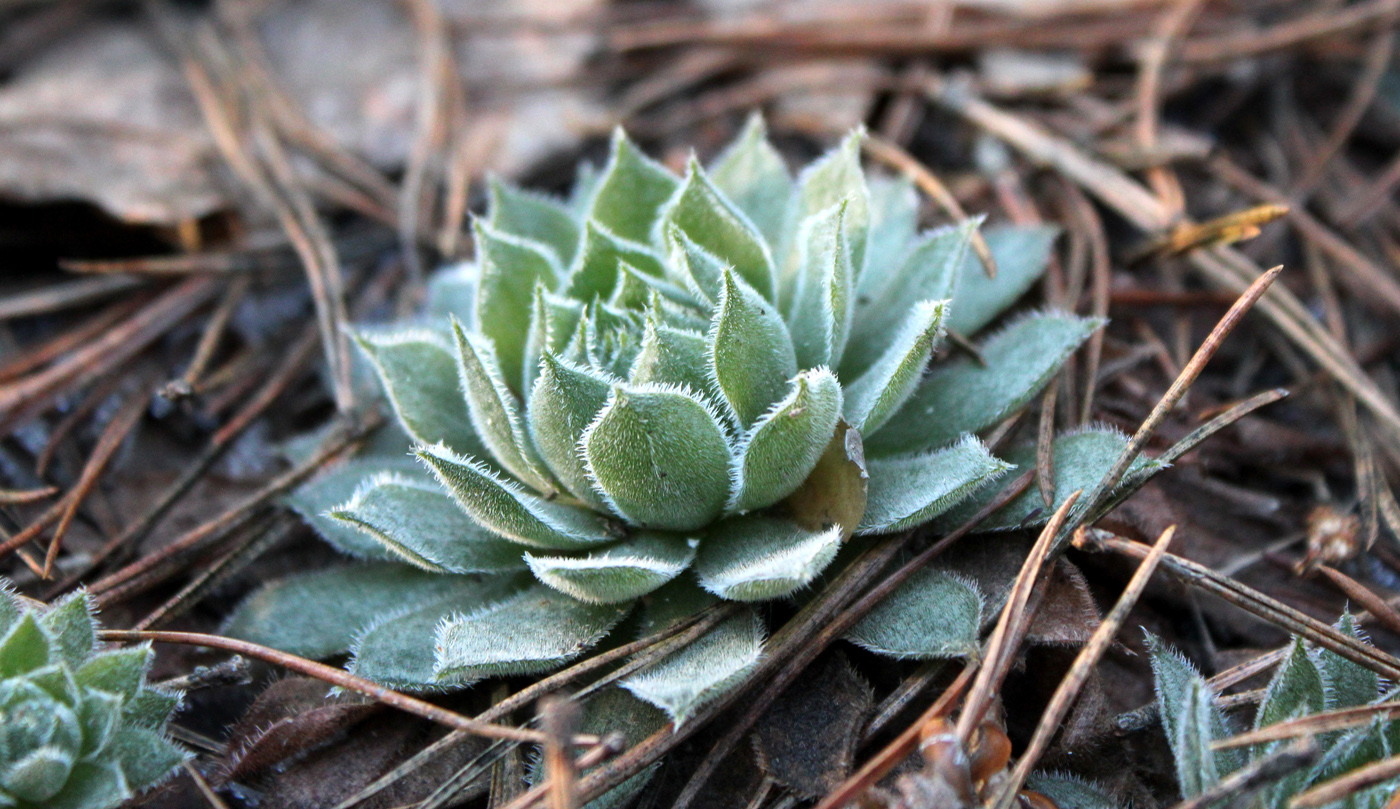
{"x": 896, "y": 751}
{"x": 1249, "y": 779}
{"x": 1374, "y": 604}
{"x": 1178, "y": 388}
{"x": 1005, "y": 641}
{"x": 1084, "y": 664}
{"x": 1045, "y": 445}
{"x": 1349, "y": 784}
{"x": 1312, "y": 724}
{"x": 339, "y": 678}
{"x": 1256, "y": 603}
{"x": 891, "y": 154}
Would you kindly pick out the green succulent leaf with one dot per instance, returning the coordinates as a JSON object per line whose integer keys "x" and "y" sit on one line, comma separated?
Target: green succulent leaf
{"x": 506, "y": 509}
{"x": 100, "y": 714}
{"x": 37, "y": 776}
{"x": 1349, "y": 684}
{"x": 511, "y": 268}
{"x": 532, "y": 216}
{"x": 10, "y": 611}
{"x": 1081, "y": 459}
{"x": 909, "y": 490}
{"x": 834, "y": 178}
{"x": 565, "y": 400}
{"x": 451, "y": 291}
{"x": 894, "y": 220}
{"x": 553, "y": 320}
{"x": 757, "y": 558}
{"x": 932, "y": 615}
{"x": 659, "y": 457}
{"x": 1069, "y": 792}
{"x": 672, "y": 356}
{"x": 595, "y": 273}
{"x": 420, "y": 523}
{"x": 1297, "y": 689}
{"x": 495, "y": 412}
{"x": 92, "y": 785}
{"x": 314, "y": 500}
{"x": 532, "y": 631}
{"x": 145, "y": 755}
{"x": 1190, "y": 719}
{"x": 26, "y": 648}
{"x": 69, "y": 624}
{"x": 751, "y": 353}
{"x": 820, "y": 318}
{"x": 967, "y": 397}
{"x": 778, "y": 453}
{"x": 752, "y": 174}
{"x": 619, "y": 573}
{"x": 418, "y": 370}
{"x": 630, "y": 191}
{"x": 394, "y": 646}
{"x": 702, "y": 670}
{"x": 928, "y": 272}
{"x": 1021, "y": 255}
{"x": 696, "y": 269}
{"x": 702, "y": 213}
{"x": 875, "y": 396}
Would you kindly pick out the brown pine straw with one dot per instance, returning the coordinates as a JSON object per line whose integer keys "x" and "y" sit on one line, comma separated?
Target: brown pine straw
{"x": 341, "y": 679}
{"x": 1312, "y": 724}
{"x": 1084, "y": 663}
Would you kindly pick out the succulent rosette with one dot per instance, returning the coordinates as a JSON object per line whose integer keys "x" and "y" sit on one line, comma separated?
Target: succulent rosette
{"x": 79, "y": 727}
{"x": 676, "y": 389}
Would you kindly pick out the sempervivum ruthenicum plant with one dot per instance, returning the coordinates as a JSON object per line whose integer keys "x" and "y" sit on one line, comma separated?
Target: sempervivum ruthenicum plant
{"x": 79, "y": 728}
{"x": 625, "y": 397}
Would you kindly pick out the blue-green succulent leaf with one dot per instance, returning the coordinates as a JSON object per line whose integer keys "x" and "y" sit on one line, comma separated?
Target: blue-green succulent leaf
{"x": 511, "y": 268}
{"x": 420, "y": 523}
{"x": 752, "y": 174}
{"x": 533, "y": 216}
{"x": 618, "y": 573}
{"x": 909, "y": 490}
{"x": 594, "y": 273}
{"x": 932, "y": 615}
{"x": 534, "y": 630}
{"x": 879, "y": 392}
{"x": 702, "y": 670}
{"x": 565, "y": 400}
{"x": 967, "y": 397}
{"x": 69, "y": 624}
{"x": 1021, "y": 255}
{"x": 820, "y": 317}
{"x": 418, "y": 369}
{"x": 757, "y": 558}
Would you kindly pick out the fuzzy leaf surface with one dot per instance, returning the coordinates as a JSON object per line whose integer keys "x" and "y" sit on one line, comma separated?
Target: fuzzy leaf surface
{"x": 505, "y": 509}
{"x": 836, "y": 491}
{"x": 752, "y": 174}
{"x": 659, "y": 457}
{"x": 834, "y": 178}
{"x": 533, "y": 216}
{"x": 317, "y": 615}
{"x": 395, "y": 648}
{"x": 703, "y": 670}
{"x": 1349, "y": 684}
{"x": 1021, "y": 254}
{"x": 672, "y": 356}
{"x": 420, "y": 523}
{"x": 909, "y": 490}
{"x": 565, "y": 400}
{"x": 419, "y": 374}
{"x": 313, "y": 500}
{"x": 1297, "y": 689}
{"x": 931, "y": 615}
{"x": 1069, "y": 792}
{"x": 553, "y": 320}
{"x": 756, "y": 558}
{"x": 820, "y": 318}
{"x": 701, "y": 212}
{"x": 966, "y": 397}
{"x": 751, "y": 352}
{"x": 782, "y": 447}
{"x": 511, "y": 268}
{"x": 595, "y": 271}
{"x": 534, "y": 630}
{"x": 495, "y": 412}
{"x": 630, "y": 191}
{"x": 875, "y": 396}
{"x": 928, "y": 272}
{"x": 618, "y": 573}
